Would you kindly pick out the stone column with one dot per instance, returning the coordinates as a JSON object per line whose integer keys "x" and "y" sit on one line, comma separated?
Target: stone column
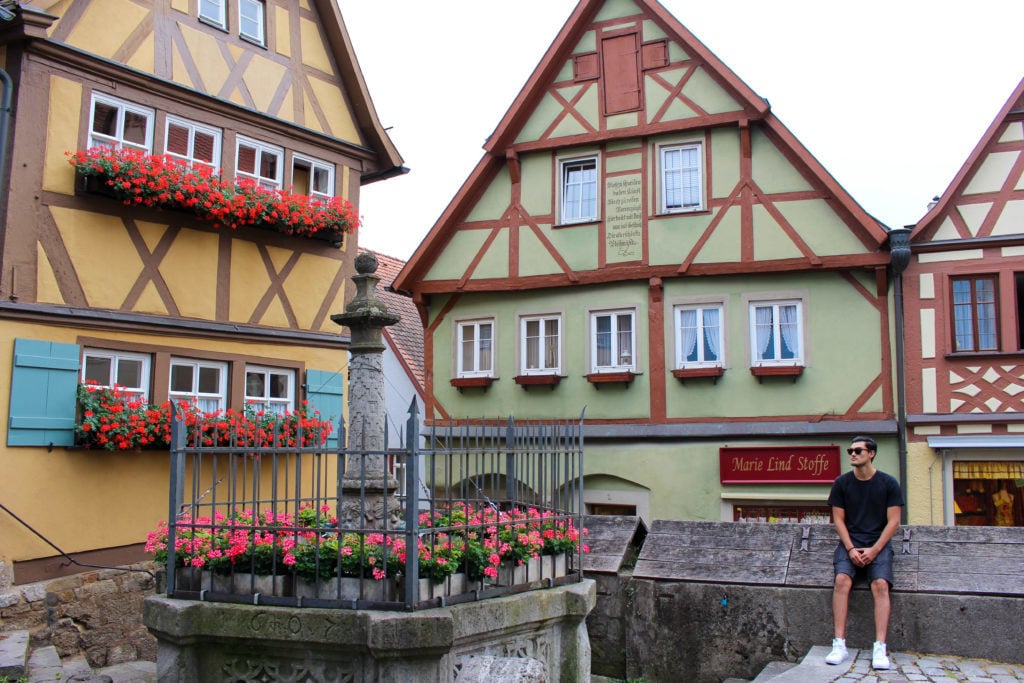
{"x": 368, "y": 493}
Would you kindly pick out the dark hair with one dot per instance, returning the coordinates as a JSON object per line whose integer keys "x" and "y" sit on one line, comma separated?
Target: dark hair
{"x": 868, "y": 441}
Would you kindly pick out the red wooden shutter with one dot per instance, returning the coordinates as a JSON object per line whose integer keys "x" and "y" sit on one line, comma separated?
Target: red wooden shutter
{"x": 620, "y": 59}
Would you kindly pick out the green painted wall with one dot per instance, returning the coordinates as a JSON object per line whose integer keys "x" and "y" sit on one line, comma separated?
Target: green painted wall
{"x": 670, "y": 468}
{"x": 836, "y": 371}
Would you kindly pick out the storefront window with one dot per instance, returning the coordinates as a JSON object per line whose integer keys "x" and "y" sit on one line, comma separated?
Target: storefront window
{"x": 987, "y": 493}
{"x": 782, "y": 514}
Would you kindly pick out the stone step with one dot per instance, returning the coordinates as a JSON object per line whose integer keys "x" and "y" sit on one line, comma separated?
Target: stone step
{"x": 13, "y": 654}
{"x": 44, "y": 666}
{"x": 773, "y": 670}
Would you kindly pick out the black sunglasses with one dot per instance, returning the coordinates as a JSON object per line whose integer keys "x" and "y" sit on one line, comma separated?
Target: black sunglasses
{"x": 858, "y": 450}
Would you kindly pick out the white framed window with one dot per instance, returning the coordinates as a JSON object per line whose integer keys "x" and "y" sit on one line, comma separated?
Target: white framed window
{"x": 214, "y": 12}
{"x": 269, "y": 389}
{"x": 682, "y": 183}
{"x": 578, "y": 189}
{"x": 613, "y": 341}
{"x": 203, "y": 383}
{"x": 193, "y": 143}
{"x": 119, "y": 124}
{"x": 251, "y": 20}
{"x": 259, "y": 162}
{"x": 699, "y": 339}
{"x": 776, "y": 333}
{"x": 128, "y": 371}
{"x": 475, "y": 348}
{"x": 312, "y": 177}
{"x": 541, "y": 344}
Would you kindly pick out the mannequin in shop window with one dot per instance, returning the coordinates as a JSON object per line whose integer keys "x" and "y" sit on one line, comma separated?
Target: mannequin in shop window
{"x": 1003, "y": 502}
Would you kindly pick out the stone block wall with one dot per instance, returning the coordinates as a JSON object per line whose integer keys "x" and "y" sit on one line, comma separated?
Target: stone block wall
{"x": 97, "y": 613}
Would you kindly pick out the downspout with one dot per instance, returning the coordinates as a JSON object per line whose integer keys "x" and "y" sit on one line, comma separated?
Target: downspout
{"x": 899, "y": 259}
{"x": 5, "y": 124}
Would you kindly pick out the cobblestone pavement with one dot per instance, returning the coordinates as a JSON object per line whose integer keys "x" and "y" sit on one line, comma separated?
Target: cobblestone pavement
{"x": 911, "y": 667}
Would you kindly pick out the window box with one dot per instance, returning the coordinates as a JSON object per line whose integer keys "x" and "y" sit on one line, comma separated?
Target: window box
{"x": 461, "y": 383}
{"x": 526, "y": 381}
{"x": 761, "y": 371}
{"x": 683, "y": 374}
{"x": 599, "y": 378}
{"x": 173, "y": 185}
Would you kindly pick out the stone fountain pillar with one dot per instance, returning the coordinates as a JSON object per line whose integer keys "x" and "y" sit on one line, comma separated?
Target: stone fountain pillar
{"x": 368, "y": 493}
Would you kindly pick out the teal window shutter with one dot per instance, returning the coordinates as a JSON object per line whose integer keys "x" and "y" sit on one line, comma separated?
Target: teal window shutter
{"x": 44, "y": 388}
{"x": 325, "y": 392}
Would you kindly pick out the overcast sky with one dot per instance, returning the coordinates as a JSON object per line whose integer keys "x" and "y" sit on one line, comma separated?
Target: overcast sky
{"x": 889, "y": 95}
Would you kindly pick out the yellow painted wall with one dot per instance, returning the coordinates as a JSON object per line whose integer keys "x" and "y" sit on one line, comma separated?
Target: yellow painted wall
{"x": 924, "y": 492}
{"x": 90, "y": 499}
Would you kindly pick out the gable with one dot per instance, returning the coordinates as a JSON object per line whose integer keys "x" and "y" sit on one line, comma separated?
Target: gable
{"x": 625, "y": 73}
{"x": 986, "y": 198}
{"x": 632, "y": 152}
{"x": 302, "y": 70}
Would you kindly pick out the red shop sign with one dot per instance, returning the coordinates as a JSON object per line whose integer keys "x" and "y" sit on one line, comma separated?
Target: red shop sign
{"x": 779, "y": 464}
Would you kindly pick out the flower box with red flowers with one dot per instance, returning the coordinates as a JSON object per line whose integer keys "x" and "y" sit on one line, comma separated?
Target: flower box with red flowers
{"x": 163, "y": 182}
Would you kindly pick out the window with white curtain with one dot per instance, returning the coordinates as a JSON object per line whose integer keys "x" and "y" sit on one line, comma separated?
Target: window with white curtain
{"x": 613, "y": 341}
{"x": 201, "y": 383}
{"x": 682, "y": 187}
{"x": 698, "y": 336}
{"x": 579, "y": 190}
{"x": 475, "y": 348}
{"x": 541, "y": 344}
{"x": 776, "y": 333}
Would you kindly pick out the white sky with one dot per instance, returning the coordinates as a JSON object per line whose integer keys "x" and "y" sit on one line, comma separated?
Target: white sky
{"x": 889, "y": 95}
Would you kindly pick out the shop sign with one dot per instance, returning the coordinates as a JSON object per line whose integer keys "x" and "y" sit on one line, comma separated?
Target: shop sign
{"x": 779, "y": 464}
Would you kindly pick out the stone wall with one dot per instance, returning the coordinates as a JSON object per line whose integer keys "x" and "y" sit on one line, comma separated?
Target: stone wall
{"x": 97, "y": 613}
{"x": 708, "y": 601}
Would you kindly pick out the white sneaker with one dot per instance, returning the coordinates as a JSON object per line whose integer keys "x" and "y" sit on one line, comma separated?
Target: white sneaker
{"x": 839, "y": 653}
{"x": 879, "y": 659}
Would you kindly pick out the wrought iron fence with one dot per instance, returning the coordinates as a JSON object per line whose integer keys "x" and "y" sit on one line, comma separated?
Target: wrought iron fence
{"x": 464, "y": 511}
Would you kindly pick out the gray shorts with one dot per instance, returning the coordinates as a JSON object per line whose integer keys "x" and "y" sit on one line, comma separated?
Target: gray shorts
{"x": 881, "y": 568}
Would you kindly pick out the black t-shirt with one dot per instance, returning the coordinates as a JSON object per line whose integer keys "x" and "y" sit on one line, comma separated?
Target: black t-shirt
{"x": 866, "y": 504}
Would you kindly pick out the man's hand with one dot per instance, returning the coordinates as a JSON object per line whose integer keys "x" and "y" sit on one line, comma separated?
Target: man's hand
{"x": 862, "y": 557}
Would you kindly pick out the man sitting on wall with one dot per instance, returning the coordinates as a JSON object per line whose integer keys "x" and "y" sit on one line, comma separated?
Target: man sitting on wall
{"x": 866, "y": 506}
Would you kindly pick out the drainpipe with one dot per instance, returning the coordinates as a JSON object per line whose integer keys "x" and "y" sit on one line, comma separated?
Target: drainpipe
{"x": 5, "y": 124}
{"x": 899, "y": 259}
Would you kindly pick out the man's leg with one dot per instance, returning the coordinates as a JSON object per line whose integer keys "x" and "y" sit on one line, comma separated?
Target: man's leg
{"x": 841, "y": 604}
{"x": 883, "y": 607}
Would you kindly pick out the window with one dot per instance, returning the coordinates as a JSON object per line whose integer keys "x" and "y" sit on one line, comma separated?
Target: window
{"x": 681, "y": 185}
{"x": 541, "y": 345}
{"x": 115, "y": 123}
{"x": 272, "y": 389}
{"x": 250, "y": 20}
{"x": 475, "y": 348}
{"x": 203, "y": 383}
{"x": 579, "y": 190}
{"x": 194, "y": 144}
{"x": 775, "y": 333}
{"x": 312, "y": 177}
{"x": 259, "y": 162}
{"x": 612, "y": 341}
{"x": 129, "y": 371}
{"x": 974, "y": 314}
{"x": 213, "y": 11}
{"x": 698, "y": 336}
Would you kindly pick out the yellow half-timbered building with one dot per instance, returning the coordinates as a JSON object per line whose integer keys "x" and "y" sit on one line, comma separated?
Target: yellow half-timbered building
{"x": 161, "y": 301}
